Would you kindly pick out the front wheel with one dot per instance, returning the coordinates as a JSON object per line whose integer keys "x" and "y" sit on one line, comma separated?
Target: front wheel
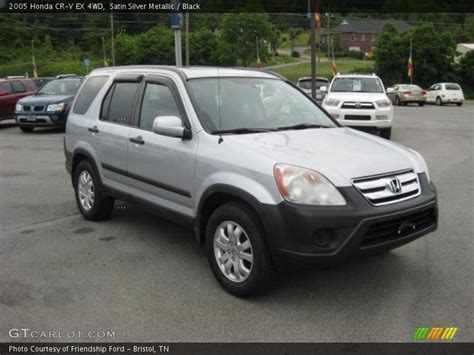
{"x": 386, "y": 133}
{"x": 438, "y": 101}
{"x": 91, "y": 201}
{"x": 421, "y": 104}
{"x": 238, "y": 254}
{"x": 459, "y": 104}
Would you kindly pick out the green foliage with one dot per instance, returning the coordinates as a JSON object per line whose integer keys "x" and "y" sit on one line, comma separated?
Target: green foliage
{"x": 466, "y": 71}
{"x": 433, "y": 55}
{"x": 295, "y": 54}
{"x": 204, "y": 45}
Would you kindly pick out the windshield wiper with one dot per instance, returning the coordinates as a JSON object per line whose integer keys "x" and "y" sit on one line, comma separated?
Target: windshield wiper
{"x": 243, "y": 130}
{"x": 302, "y": 126}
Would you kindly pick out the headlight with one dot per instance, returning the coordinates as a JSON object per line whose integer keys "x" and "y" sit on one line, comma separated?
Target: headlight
{"x": 422, "y": 163}
{"x": 304, "y": 186}
{"x": 331, "y": 102}
{"x": 383, "y": 103}
{"x": 18, "y": 107}
{"x": 56, "y": 107}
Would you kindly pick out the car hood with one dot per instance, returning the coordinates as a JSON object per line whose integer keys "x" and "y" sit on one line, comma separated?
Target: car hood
{"x": 340, "y": 154}
{"x": 44, "y": 99}
{"x": 356, "y": 96}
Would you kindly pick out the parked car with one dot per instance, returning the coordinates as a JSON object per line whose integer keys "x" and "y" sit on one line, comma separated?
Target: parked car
{"x": 359, "y": 100}
{"x": 12, "y": 90}
{"x": 49, "y": 106}
{"x": 445, "y": 93}
{"x": 258, "y": 170}
{"x": 305, "y": 85}
{"x": 403, "y": 94}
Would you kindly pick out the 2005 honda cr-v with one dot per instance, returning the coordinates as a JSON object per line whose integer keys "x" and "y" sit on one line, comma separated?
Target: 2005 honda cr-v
{"x": 258, "y": 169}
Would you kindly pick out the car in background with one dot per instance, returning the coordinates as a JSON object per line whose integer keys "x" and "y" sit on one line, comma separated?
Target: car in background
{"x": 305, "y": 85}
{"x": 359, "y": 100}
{"x": 403, "y": 94}
{"x": 49, "y": 106}
{"x": 445, "y": 93}
{"x": 13, "y": 89}
{"x": 41, "y": 81}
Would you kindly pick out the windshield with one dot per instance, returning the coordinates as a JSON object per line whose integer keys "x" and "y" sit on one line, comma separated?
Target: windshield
{"x": 60, "y": 87}
{"x": 452, "y": 87}
{"x": 357, "y": 85}
{"x": 253, "y": 104}
{"x": 306, "y": 84}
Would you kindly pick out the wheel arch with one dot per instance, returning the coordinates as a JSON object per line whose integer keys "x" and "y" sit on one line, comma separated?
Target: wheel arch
{"x": 79, "y": 155}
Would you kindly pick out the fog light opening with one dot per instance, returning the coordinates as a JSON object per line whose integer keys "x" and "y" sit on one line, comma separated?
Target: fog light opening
{"x": 323, "y": 238}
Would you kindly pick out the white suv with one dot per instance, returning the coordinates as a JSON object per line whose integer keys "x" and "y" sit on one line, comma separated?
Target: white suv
{"x": 357, "y": 100}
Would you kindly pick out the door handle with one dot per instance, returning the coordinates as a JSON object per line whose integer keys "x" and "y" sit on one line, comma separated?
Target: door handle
{"x": 137, "y": 140}
{"x": 93, "y": 129}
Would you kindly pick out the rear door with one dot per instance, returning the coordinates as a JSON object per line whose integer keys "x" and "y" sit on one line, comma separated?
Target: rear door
{"x": 113, "y": 129}
{"x": 161, "y": 168}
{"x": 5, "y": 100}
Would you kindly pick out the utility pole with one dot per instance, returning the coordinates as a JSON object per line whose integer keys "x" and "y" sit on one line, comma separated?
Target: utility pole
{"x": 313, "y": 51}
{"x": 329, "y": 32}
{"x": 411, "y": 61}
{"x": 33, "y": 59}
{"x": 187, "y": 38}
{"x": 103, "y": 52}
{"x": 176, "y": 26}
{"x": 112, "y": 36}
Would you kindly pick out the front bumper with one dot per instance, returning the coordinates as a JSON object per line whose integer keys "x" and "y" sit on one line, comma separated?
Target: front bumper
{"x": 315, "y": 234}
{"x": 41, "y": 119}
{"x": 372, "y": 118}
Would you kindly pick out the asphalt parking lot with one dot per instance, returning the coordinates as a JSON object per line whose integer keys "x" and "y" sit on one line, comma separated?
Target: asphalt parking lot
{"x": 147, "y": 280}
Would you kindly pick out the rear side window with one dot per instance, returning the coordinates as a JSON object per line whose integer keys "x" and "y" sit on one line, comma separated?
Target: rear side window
{"x": 88, "y": 93}
{"x": 452, "y": 87}
{"x": 118, "y": 104}
{"x": 18, "y": 87}
{"x": 6, "y": 87}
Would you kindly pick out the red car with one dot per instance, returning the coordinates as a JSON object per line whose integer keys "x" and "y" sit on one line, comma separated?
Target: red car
{"x": 11, "y": 90}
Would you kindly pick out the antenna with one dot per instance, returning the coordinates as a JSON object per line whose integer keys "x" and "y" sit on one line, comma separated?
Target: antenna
{"x": 219, "y": 104}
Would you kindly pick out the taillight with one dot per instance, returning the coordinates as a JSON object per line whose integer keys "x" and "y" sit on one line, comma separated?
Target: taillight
{"x": 407, "y": 92}
{"x": 423, "y": 92}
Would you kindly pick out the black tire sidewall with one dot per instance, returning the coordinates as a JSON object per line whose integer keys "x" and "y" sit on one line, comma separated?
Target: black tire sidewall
{"x": 259, "y": 277}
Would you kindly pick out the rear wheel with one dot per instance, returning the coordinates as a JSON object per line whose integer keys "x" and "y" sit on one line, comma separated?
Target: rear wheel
{"x": 459, "y": 104}
{"x": 397, "y": 101}
{"x": 238, "y": 254}
{"x": 438, "y": 101}
{"x": 421, "y": 103}
{"x": 91, "y": 201}
{"x": 27, "y": 129}
{"x": 386, "y": 133}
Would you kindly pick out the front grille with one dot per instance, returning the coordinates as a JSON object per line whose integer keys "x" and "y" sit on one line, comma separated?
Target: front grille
{"x": 358, "y": 105}
{"x": 398, "y": 228}
{"x": 388, "y": 188}
{"x": 39, "y": 108}
{"x": 357, "y": 117}
{"x": 26, "y": 108}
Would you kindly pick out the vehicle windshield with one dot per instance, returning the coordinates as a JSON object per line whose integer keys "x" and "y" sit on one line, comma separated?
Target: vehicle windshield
{"x": 254, "y": 104}
{"x": 306, "y": 84}
{"x": 357, "y": 85}
{"x": 60, "y": 87}
{"x": 452, "y": 87}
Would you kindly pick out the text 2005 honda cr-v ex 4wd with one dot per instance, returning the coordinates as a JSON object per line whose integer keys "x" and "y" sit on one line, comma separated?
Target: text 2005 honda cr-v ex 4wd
{"x": 259, "y": 170}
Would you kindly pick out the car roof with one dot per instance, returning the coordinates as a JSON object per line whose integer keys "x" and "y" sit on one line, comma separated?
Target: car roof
{"x": 190, "y": 72}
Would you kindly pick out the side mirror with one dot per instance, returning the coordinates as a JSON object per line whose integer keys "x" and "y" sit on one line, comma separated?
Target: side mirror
{"x": 3, "y": 93}
{"x": 171, "y": 126}
{"x": 323, "y": 89}
{"x": 390, "y": 90}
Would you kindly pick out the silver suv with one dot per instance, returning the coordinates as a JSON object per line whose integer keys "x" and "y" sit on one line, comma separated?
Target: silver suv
{"x": 258, "y": 170}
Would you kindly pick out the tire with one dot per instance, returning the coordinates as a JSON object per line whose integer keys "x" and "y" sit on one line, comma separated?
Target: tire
{"x": 386, "y": 133}
{"x": 100, "y": 206}
{"x": 438, "y": 101}
{"x": 459, "y": 104}
{"x": 404, "y": 103}
{"x": 244, "y": 277}
{"x": 421, "y": 104}
{"x": 27, "y": 129}
{"x": 397, "y": 101}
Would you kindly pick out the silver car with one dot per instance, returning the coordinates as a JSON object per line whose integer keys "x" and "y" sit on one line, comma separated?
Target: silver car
{"x": 260, "y": 172}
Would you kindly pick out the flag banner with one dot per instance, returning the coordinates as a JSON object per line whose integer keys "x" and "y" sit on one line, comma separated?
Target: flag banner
{"x": 410, "y": 67}
{"x": 334, "y": 68}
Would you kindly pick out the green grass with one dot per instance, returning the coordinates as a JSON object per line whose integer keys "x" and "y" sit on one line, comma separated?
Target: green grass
{"x": 282, "y": 59}
{"x": 49, "y": 68}
{"x": 301, "y": 40}
{"x": 295, "y": 72}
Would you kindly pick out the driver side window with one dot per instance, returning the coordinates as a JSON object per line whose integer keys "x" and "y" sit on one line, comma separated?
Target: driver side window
{"x": 157, "y": 101}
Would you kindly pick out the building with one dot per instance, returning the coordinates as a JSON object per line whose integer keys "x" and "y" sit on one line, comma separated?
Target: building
{"x": 462, "y": 49}
{"x": 360, "y": 35}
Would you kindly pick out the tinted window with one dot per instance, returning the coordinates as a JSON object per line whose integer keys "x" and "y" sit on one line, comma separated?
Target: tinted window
{"x": 452, "y": 87}
{"x": 157, "y": 101}
{"x": 18, "y": 87}
{"x": 88, "y": 93}
{"x": 120, "y": 104}
{"x": 306, "y": 84}
{"x": 6, "y": 87}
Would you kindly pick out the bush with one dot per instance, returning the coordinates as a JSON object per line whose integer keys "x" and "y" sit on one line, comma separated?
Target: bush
{"x": 295, "y": 54}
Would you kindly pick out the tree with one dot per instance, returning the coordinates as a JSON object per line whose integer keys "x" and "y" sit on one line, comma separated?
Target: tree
{"x": 243, "y": 32}
{"x": 466, "y": 70}
{"x": 389, "y": 58}
{"x": 293, "y": 34}
{"x": 157, "y": 46}
{"x": 203, "y": 47}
